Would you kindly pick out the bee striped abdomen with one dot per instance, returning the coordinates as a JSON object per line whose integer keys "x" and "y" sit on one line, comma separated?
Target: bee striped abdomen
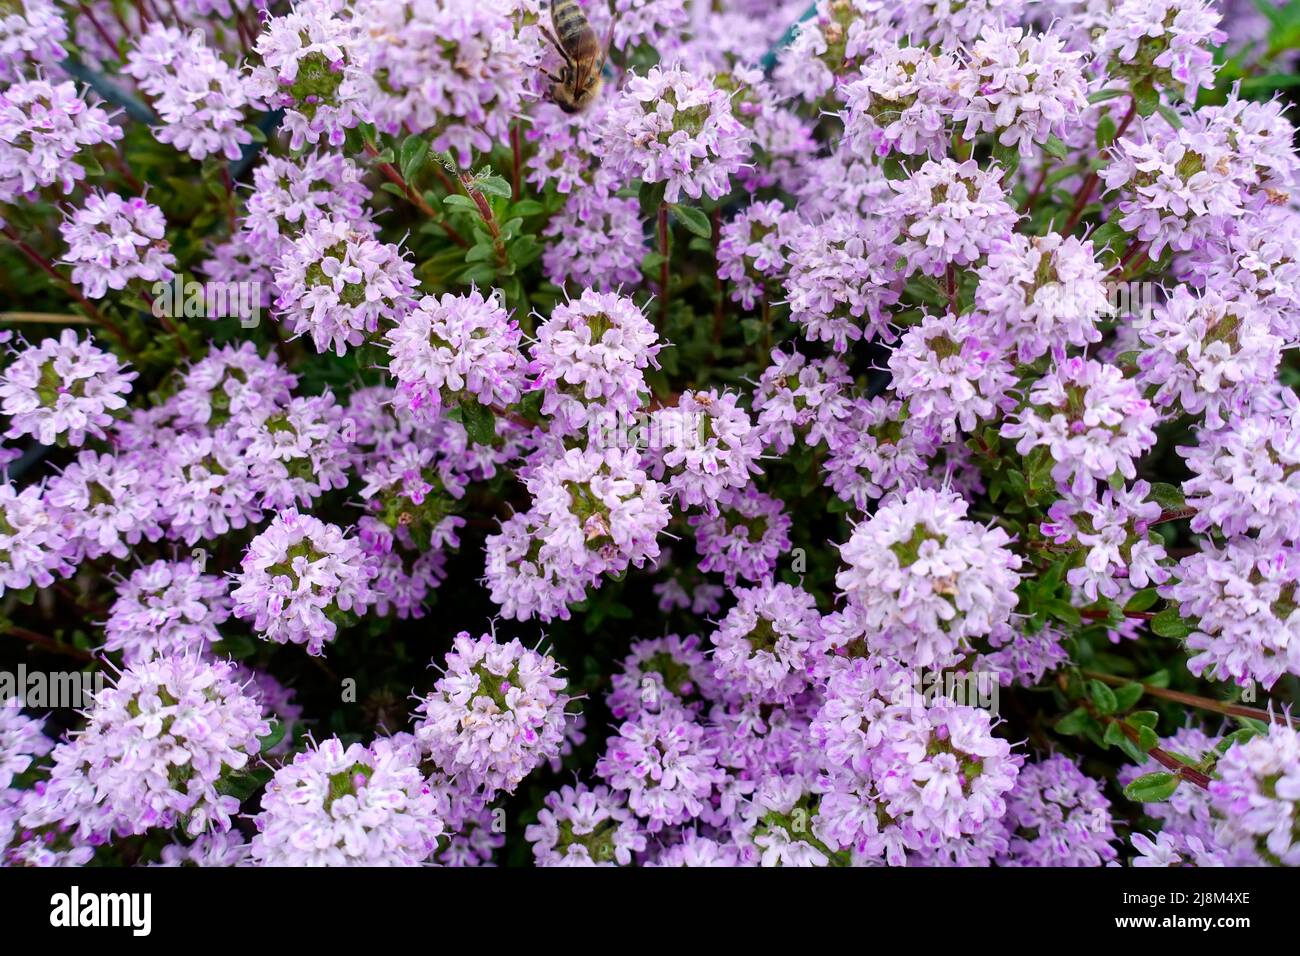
{"x": 571, "y": 25}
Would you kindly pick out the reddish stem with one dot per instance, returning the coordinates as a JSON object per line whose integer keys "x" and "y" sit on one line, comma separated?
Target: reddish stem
{"x": 661, "y": 228}
{"x": 49, "y": 643}
{"x": 99, "y": 27}
{"x": 489, "y": 220}
{"x": 1033, "y": 193}
{"x": 1194, "y": 700}
{"x": 1167, "y": 760}
{"x": 48, "y": 267}
{"x": 1089, "y": 184}
{"x": 416, "y": 199}
{"x": 517, "y": 156}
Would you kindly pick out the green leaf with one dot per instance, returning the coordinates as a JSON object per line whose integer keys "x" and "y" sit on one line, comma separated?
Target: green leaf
{"x": 527, "y": 207}
{"x": 1143, "y": 718}
{"x": 278, "y": 727}
{"x": 1008, "y": 157}
{"x": 1169, "y": 623}
{"x": 1134, "y": 752}
{"x": 1063, "y": 610}
{"x": 494, "y": 186}
{"x": 480, "y": 423}
{"x": 1142, "y": 600}
{"x": 1236, "y": 737}
{"x": 1250, "y": 723}
{"x": 1101, "y": 96}
{"x": 481, "y": 252}
{"x": 1167, "y": 496}
{"x": 479, "y": 272}
{"x": 651, "y": 262}
{"x": 1159, "y": 678}
{"x": 695, "y": 221}
{"x": 1153, "y": 787}
{"x": 1102, "y": 696}
{"x": 1147, "y": 98}
{"x": 1147, "y": 739}
{"x": 1171, "y": 116}
{"x": 1114, "y": 736}
{"x": 1106, "y": 130}
{"x": 1075, "y": 722}
{"x": 1106, "y": 234}
{"x": 1127, "y": 696}
{"x": 1266, "y": 84}
{"x": 414, "y": 153}
{"x": 649, "y": 197}
{"x": 457, "y": 201}
{"x": 1055, "y": 147}
{"x": 242, "y": 784}
{"x": 838, "y": 506}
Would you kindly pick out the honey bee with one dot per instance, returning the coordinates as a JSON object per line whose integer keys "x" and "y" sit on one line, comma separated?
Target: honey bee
{"x": 579, "y": 81}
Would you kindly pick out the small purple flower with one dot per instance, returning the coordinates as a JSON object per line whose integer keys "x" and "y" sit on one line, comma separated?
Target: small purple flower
{"x": 165, "y": 609}
{"x": 584, "y": 826}
{"x": 496, "y": 714}
{"x": 113, "y": 241}
{"x": 296, "y": 578}
{"x": 675, "y": 127}
{"x": 349, "y": 806}
{"x": 447, "y": 348}
{"x": 62, "y": 390}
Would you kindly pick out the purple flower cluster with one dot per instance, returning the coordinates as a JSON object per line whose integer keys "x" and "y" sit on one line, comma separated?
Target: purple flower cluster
{"x": 63, "y": 390}
{"x": 495, "y": 715}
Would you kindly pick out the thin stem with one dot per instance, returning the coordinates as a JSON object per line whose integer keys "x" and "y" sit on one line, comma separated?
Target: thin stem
{"x": 1090, "y": 183}
{"x": 48, "y": 643}
{"x": 1194, "y": 700}
{"x": 99, "y": 27}
{"x": 230, "y": 197}
{"x": 44, "y": 318}
{"x": 719, "y": 305}
{"x": 87, "y": 606}
{"x": 1173, "y": 514}
{"x": 243, "y": 34}
{"x": 121, "y": 22}
{"x": 443, "y": 178}
{"x": 414, "y": 197}
{"x": 281, "y": 346}
{"x": 118, "y": 163}
{"x": 48, "y": 267}
{"x": 953, "y": 305}
{"x": 1033, "y": 193}
{"x": 168, "y": 325}
{"x": 517, "y": 156}
{"x": 489, "y": 220}
{"x": 661, "y": 230}
{"x": 1136, "y": 252}
{"x": 1166, "y": 759}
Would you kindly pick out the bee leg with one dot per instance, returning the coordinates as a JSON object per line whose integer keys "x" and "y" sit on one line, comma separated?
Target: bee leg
{"x": 556, "y": 43}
